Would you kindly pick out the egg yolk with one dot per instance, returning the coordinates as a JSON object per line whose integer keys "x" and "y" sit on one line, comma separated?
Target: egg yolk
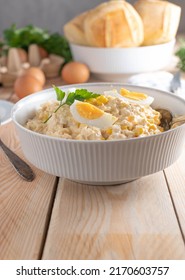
{"x": 133, "y": 95}
{"x": 88, "y": 111}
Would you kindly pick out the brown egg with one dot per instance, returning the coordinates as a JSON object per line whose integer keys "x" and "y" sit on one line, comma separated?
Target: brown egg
{"x": 43, "y": 52}
{"x": 23, "y": 55}
{"x": 36, "y": 73}
{"x": 25, "y": 85}
{"x": 75, "y": 72}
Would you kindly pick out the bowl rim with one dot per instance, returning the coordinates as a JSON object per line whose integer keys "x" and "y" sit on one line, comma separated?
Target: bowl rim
{"x": 171, "y": 42}
{"x": 16, "y": 107}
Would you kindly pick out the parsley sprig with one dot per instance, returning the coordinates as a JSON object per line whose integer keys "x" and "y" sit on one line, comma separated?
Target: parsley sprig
{"x": 78, "y": 94}
{"x": 54, "y": 43}
{"x": 180, "y": 53}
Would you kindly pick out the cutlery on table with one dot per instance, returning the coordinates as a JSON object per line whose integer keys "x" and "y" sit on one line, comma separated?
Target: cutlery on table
{"x": 175, "y": 83}
{"x": 21, "y": 167}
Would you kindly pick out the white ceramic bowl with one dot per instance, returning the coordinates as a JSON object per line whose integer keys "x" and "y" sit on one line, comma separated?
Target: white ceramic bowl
{"x": 100, "y": 162}
{"x": 111, "y": 64}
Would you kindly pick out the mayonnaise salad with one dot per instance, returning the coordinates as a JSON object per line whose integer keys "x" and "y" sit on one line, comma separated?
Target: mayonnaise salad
{"x": 109, "y": 116}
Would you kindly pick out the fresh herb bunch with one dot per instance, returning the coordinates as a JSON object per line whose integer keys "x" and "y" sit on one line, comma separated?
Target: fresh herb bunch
{"x": 180, "y": 53}
{"x": 30, "y": 34}
{"x": 1, "y": 48}
{"x": 23, "y": 37}
{"x": 78, "y": 94}
{"x": 58, "y": 45}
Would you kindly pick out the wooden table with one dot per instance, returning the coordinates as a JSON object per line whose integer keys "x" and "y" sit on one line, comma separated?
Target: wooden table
{"x": 54, "y": 218}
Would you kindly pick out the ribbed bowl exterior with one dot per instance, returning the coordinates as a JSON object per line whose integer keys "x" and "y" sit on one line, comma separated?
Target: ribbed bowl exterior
{"x": 102, "y": 162}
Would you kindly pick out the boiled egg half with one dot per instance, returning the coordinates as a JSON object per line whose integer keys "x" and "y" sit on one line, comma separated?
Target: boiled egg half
{"x": 86, "y": 113}
{"x": 113, "y": 93}
{"x": 136, "y": 97}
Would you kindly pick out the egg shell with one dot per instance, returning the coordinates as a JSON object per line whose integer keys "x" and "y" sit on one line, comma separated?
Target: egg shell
{"x": 23, "y": 55}
{"x": 43, "y": 52}
{"x": 25, "y": 85}
{"x": 75, "y": 72}
{"x": 37, "y": 73}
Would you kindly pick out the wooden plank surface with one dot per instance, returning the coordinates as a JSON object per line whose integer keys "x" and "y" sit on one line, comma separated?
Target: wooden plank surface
{"x": 24, "y": 206}
{"x": 176, "y": 180}
{"x": 131, "y": 221}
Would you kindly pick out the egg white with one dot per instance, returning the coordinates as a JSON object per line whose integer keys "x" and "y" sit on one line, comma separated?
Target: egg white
{"x": 115, "y": 93}
{"x": 147, "y": 101}
{"x": 102, "y": 122}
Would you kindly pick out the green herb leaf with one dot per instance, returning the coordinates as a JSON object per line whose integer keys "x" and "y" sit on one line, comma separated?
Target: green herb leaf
{"x": 58, "y": 45}
{"x": 85, "y": 94}
{"x": 79, "y": 94}
{"x": 23, "y": 37}
{"x": 180, "y": 53}
{"x": 60, "y": 94}
{"x": 71, "y": 98}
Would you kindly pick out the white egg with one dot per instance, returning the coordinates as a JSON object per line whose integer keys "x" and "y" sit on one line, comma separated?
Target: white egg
{"x": 136, "y": 97}
{"x": 86, "y": 113}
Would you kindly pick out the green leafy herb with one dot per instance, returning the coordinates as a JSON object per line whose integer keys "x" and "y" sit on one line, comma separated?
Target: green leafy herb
{"x": 78, "y": 94}
{"x": 30, "y": 34}
{"x": 180, "y": 53}
{"x": 60, "y": 94}
{"x": 58, "y": 45}
{"x": 23, "y": 37}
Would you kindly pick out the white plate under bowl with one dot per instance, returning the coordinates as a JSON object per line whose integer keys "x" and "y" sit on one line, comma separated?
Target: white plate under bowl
{"x": 5, "y": 111}
{"x": 112, "y": 64}
{"x": 159, "y": 80}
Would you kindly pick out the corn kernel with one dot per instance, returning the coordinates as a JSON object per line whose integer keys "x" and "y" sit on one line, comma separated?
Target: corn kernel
{"x": 101, "y": 100}
{"x": 124, "y": 127}
{"x": 152, "y": 127}
{"x": 156, "y": 120}
{"x": 98, "y": 100}
{"x": 91, "y": 101}
{"x": 130, "y": 118}
{"x": 109, "y": 131}
{"x": 151, "y": 121}
{"x": 161, "y": 128}
{"x": 139, "y": 131}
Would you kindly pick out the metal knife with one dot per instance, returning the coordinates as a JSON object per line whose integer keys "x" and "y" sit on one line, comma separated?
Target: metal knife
{"x": 175, "y": 83}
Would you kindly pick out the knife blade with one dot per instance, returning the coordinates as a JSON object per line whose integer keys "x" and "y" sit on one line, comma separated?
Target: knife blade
{"x": 175, "y": 83}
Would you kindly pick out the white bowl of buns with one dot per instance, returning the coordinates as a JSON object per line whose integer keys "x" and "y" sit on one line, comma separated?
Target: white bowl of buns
{"x": 117, "y": 38}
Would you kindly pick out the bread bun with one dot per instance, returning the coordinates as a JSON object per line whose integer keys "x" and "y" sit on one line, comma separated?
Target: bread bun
{"x": 160, "y": 20}
{"x": 110, "y": 24}
{"x": 74, "y": 30}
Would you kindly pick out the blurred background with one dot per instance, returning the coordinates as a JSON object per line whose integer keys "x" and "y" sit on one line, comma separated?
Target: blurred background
{"x": 53, "y": 14}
